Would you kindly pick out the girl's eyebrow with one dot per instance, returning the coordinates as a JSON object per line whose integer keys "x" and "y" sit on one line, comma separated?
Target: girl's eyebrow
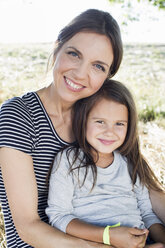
{"x": 102, "y": 118}
{"x": 122, "y": 121}
{"x": 97, "y": 61}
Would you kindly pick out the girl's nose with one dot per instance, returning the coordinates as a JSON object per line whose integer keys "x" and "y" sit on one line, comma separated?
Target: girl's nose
{"x": 109, "y": 130}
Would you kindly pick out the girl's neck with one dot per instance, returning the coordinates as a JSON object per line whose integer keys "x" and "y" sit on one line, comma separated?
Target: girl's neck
{"x": 105, "y": 160}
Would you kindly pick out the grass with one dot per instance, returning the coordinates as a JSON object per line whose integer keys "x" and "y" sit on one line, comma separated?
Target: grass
{"x": 143, "y": 70}
{"x": 2, "y": 232}
{"x": 23, "y": 68}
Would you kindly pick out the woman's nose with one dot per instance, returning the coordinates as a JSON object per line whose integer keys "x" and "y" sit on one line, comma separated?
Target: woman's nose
{"x": 81, "y": 70}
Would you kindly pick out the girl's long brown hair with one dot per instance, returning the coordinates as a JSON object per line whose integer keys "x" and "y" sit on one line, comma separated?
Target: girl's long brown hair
{"x": 137, "y": 165}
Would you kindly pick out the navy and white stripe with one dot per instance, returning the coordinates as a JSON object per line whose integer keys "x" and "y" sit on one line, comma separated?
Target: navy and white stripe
{"x": 26, "y": 126}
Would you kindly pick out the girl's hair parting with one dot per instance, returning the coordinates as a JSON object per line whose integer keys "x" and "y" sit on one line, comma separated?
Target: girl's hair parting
{"x": 96, "y": 21}
{"x": 137, "y": 165}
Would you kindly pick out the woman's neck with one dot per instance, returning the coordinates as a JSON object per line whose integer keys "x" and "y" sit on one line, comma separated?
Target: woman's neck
{"x": 58, "y": 111}
{"x": 52, "y": 101}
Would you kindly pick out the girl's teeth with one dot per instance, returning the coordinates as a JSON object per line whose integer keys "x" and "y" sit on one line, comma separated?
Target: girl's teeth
{"x": 75, "y": 86}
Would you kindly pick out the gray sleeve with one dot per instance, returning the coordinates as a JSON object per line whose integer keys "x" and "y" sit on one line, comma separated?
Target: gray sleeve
{"x": 144, "y": 204}
{"x": 61, "y": 188}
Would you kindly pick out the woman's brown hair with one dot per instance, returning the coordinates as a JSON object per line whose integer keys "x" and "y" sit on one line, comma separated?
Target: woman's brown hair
{"x": 137, "y": 165}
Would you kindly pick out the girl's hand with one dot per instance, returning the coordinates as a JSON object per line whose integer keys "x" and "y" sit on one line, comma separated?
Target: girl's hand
{"x": 128, "y": 237}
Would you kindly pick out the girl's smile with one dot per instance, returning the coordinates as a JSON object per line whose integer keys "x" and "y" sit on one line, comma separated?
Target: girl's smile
{"x": 106, "y": 142}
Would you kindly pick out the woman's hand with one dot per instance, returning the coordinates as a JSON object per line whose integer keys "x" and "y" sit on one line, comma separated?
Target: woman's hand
{"x": 157, "y": 245}
{"x": 127, "y": 237}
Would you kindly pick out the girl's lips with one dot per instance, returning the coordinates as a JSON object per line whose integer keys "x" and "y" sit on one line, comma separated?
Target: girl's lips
{"x": 106, "y": 142}
{"x": 73, "y": 86}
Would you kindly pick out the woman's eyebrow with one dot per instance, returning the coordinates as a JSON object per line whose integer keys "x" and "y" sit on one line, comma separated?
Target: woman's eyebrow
{"x": 97, "y": 61}
{"x": 71, "y": 47}
{"x": 102, "y": 63}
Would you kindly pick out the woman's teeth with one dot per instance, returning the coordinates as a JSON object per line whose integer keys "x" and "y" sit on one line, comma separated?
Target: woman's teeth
{"x": 75, "y": 86}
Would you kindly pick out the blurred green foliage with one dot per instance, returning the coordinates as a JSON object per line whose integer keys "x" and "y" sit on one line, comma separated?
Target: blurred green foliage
{"x": 158, "y": 3}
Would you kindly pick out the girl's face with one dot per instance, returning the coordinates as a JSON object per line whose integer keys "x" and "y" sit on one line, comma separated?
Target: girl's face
{"x": 107, "y": 126}
{"x": 82, "y": 65}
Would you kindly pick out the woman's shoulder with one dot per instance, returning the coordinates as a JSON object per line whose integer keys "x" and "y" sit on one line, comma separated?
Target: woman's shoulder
{"x": 17, "y": 129}
{"x": 19, "y": 101}
{"x": 19, "y": 112}
{"x": 20, "y": 105}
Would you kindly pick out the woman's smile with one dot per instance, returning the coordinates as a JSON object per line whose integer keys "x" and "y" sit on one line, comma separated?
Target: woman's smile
{"x": 73, "y": 86}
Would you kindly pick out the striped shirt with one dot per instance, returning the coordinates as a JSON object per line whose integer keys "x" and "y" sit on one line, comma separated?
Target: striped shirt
{"x": 26, "y": 126}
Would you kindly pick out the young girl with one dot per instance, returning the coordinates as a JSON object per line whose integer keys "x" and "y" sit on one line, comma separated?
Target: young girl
{"x": 103, "y": 178}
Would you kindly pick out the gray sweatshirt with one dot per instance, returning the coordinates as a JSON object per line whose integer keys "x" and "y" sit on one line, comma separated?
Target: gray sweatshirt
{"x": 113, "y": 199}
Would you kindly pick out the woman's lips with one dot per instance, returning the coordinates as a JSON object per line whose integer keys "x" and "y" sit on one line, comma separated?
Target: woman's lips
{"x": 73, "y": 86}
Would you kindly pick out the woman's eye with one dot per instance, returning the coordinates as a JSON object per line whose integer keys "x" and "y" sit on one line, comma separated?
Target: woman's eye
{"x": 72, "y": 53}
{"x": 100, "y": 67}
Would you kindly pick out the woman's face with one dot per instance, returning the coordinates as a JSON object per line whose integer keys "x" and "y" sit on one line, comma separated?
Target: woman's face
{"x": 81, "y": 66}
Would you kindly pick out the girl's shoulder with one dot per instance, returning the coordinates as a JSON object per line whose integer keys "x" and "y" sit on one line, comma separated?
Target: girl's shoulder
{"x": 119, "y": 157}
{"x": 70, "y": 153}
{"x": 70, "y": 157}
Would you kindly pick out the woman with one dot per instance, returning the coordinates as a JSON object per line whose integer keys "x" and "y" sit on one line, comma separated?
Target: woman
{"x": 36, "y": 126}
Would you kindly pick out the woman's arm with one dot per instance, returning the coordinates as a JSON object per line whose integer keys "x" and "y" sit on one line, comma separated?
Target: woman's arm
{"x": 158, "y": 204}
{"x": 21, "y": 188}
{"x": 157, "y": 233}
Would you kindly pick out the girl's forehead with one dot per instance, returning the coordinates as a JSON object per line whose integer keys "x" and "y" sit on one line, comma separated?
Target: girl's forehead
{"x": 104, "y": 107}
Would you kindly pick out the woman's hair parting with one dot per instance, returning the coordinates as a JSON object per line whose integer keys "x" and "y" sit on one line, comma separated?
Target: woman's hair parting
{"x": 137, "y": 165}
{"x": 96, "y": 21}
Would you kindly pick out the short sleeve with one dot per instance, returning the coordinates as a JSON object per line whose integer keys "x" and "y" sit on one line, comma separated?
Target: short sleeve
{"x": 16, "y": 126}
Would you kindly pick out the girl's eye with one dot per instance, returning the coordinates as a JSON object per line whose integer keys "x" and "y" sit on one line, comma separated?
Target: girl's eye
{"x": 100, "y": 122}
{"x": 120, "y": 124}
{"x": 100, "y": 67}
{"x": 72, "y": 53}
